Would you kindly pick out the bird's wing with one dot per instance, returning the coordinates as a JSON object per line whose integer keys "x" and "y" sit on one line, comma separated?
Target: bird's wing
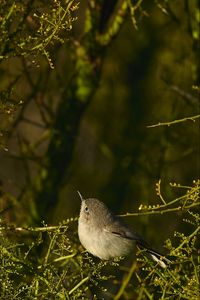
{"x": 119, "y": 229}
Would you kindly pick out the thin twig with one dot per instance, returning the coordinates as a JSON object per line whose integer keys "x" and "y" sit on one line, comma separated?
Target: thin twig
{"x": 192, "y": 118}
{"x": 186, "y": 240}
{"x": 126, "y": 281}
{"x": 37, "y": 229}
{"x": 160, "y": 212}
{"x": 78, "y": 285}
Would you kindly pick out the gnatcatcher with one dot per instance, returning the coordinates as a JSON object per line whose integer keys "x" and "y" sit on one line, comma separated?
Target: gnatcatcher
{"x": 106, "y": 236}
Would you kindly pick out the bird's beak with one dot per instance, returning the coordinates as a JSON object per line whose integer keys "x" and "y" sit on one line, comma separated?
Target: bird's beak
{"x": 80, "y": 195}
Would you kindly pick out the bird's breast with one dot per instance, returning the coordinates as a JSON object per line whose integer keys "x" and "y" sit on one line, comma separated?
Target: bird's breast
{"x": 102, "y": 243}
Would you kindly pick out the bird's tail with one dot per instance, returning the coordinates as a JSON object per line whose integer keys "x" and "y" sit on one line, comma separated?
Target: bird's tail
{"x": 160, "y": 259}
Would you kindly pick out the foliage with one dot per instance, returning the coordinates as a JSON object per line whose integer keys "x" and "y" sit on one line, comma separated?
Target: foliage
{"x": 30, "y": 27}
{"x": 28, "y": 31}
{"x": 62, "y": 271}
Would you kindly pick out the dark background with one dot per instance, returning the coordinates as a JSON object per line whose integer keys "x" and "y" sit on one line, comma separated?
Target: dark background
{"x": 147, "y": 77}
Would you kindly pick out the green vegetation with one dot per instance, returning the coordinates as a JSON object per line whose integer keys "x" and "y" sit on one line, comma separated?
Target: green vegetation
{"x": 63, "y": 271}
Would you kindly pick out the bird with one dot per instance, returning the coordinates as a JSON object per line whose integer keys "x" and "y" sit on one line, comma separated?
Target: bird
{"x": 106, "y": 236}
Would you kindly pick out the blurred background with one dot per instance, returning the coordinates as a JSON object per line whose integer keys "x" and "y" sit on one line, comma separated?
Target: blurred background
{"x": 147, "y": 76}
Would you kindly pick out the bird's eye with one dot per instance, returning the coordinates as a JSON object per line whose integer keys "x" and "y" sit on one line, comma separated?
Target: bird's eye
{"x": 86, "y": 209}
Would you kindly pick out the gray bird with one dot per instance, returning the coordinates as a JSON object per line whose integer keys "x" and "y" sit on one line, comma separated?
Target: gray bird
{"x": 106, "y": 236}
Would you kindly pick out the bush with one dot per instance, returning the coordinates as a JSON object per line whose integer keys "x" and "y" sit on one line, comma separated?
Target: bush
{"x": 61, "y": 270}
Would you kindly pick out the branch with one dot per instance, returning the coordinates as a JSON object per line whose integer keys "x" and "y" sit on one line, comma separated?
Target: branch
{"x": 161, "y": 212}
{"x": 78, "y": 285}
{"x": 125, "y": 281}
{"x": 192, "y": 118}
{"x": 38, "y": 229}
{"x": 189, "y": 200}
{"x": 105, "y": 38}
